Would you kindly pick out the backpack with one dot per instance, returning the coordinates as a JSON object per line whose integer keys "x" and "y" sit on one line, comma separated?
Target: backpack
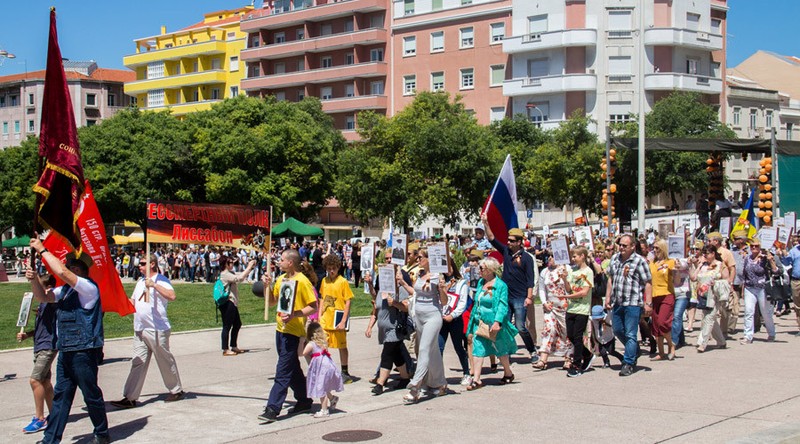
{"x": 220, "y": 293}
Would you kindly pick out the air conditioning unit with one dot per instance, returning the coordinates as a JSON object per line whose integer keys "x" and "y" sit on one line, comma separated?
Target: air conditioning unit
{"x": 591, "y": 70}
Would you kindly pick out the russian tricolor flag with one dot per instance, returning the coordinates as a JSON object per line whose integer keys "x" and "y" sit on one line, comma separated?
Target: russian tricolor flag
{"x": 501, "y": 206}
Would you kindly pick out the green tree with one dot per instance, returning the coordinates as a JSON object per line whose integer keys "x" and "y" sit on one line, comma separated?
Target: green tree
{"x": 679, "y": 115}
{"x": 265, "y": 152}
{"x": 138, "y": 155}
{"x": 18, "y": 168}
{"x": 431, "y": 159}
{"x": 520, "y": 137}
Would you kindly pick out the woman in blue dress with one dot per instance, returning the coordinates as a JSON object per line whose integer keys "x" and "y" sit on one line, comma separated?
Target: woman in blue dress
{"x": 491, "y": 308}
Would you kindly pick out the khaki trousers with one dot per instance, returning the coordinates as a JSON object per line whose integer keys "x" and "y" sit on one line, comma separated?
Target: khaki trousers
{"x": 710, "y": 328}
{"x": 146, "y": 343}
{"x": 729, "y": 313}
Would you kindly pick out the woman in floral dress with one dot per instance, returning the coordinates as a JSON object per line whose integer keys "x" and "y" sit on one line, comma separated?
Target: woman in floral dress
{"x": 554, "y": 334}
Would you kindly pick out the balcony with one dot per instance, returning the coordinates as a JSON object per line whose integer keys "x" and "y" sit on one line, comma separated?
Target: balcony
{"x": 668, "y": 81}
{"x": 318, "y": 44}
{"x": 172, "y": 82}
{"x": 316, "y": 76}
{"x": 313, "y": 14}
{"x": 351, "y": 136}
{"x": 682, "y": 37}
{"x": 357, "y": 103}
{"x": 549, "y": 40}
{"x": 181, "y": 109}
{"x": 175, "y": 53}
{"x": 527, "y": 86}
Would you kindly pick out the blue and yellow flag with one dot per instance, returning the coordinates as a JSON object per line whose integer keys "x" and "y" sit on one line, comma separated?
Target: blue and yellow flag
{"x": 747, "y": 220}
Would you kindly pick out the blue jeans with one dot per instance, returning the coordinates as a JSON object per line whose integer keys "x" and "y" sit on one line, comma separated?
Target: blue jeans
{"x": 517, "y": 314}
{"x": 76, "y": 369}
{"x": 288, "y": 373}
{"x": 626, "y": 327}
{"x": 677, "y": 321}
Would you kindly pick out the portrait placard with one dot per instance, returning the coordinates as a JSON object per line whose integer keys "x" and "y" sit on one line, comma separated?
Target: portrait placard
{"x": 437, "y": 258}
{"x": 783, "y": 238}
{"x": 24, "y": 309}
{"x": 676, "y": 246}
{"x": 768, "y": 236}
{"x": 583, "y": 237}
{"x": 286, "y": 296}
{"x": 387, "y": 284}
{"x": 725, "y": 227}
{"x": 665, "y": 227}
{"x": 399, "y": 249}
{"x": 560, "y": 248}
{"x": 367, "y": 257}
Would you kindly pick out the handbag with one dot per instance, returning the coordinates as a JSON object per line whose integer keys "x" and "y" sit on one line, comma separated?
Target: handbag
{"x": 722, "y": 290}
{"x": 485, "y": 332}
{"x": 778, "y": 289}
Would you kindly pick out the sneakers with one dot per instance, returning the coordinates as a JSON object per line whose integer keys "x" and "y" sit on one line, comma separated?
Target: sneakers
{"x": 377, "y": 390}
{"x": 268, "y": 415}
{"x": 588, "y": 364}
{"x": 172, "y": 397}
{"x": 322, "y": 414}
{"x": 745, "y": 341}
{"x": 301, "y": 407}
{"x": 466, "y": 380}
{"x": 534, "y": 357}
{"x": 411, "y": 397}
{"x": 124, "y": 403}
{"x": 36, "y": 425}
{"x": 627, "y": 370}
{"x": 573, "y": 373}
{"x": 346, "y": 378}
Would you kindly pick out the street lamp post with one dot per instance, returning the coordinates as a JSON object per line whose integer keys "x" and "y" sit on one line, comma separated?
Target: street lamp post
{"x": 5, "y": 55}
{"x": 532, "y": 106}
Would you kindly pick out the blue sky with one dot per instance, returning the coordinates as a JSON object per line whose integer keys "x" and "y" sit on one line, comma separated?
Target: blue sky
{"x": 104, "y": 30}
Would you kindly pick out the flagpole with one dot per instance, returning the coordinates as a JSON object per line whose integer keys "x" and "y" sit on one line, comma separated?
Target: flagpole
{"x": 269, "y": 267}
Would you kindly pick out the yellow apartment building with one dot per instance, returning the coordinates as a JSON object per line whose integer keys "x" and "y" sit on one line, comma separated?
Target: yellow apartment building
{"x": 190, "y": 69}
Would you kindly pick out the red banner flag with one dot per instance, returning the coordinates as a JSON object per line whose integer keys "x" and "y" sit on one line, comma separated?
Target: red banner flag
{"x": 61, "y": 181}
{"x": 95, "y": 244}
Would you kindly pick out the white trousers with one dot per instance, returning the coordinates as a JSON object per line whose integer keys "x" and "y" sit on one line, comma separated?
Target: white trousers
{"x": 753, "y": 296}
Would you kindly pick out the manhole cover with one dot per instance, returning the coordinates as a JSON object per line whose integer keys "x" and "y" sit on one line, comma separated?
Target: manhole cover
{"x": 352, "y": 436}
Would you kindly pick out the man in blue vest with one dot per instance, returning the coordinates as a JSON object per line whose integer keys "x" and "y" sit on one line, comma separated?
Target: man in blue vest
{"x": 79, "y": 321}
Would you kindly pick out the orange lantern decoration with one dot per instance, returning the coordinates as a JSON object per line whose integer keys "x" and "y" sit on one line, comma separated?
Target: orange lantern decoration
{"x": 709, "y": 161}
{"x": 763, "y": 178}
{"x": 767, "y": 219}
{"x": 762, "y": 196}
{"x": 768, "y": 168}
{"x": 613, "y": 188}
{"x": 761, "y": 214}
{"x": 768, "y": 196}
{"x": 767, "y": 187}
{"x": 768, "y": 204}
{"x": 762, "y": 171}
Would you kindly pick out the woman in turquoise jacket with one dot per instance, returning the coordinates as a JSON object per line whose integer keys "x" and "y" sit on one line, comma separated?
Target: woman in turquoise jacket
{"x": 491, "y": 308}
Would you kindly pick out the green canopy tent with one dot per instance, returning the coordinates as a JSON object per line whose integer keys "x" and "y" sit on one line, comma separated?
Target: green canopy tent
{"x": 17, "y": 242}
{"x": 293, "y": 227}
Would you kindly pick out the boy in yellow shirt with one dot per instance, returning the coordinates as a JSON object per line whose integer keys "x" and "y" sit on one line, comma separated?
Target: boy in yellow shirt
{"x": 335, "y": 295}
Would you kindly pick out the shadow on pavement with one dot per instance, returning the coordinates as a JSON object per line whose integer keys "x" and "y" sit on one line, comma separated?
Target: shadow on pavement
{"x": 117, "y": 432}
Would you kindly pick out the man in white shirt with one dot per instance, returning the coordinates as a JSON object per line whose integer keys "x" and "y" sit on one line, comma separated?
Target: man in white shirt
{"x": 151, "y": 336}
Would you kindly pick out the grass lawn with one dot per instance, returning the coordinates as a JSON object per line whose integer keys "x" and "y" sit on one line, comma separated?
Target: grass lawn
{"x": 193, "y": 310}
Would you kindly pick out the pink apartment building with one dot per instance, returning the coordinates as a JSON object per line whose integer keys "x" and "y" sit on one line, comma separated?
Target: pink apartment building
{"x": 97, "y": 93}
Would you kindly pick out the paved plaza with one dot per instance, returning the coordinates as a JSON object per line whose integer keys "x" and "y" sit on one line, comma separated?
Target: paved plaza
{"x": 747, "y": 393}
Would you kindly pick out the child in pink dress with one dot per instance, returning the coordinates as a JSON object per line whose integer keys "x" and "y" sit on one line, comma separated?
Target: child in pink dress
{"x": 323, "y": 376}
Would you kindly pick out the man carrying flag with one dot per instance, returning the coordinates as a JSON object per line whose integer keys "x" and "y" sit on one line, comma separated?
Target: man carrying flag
{"x": 500, "y": 216}
{"x": 79, "y": 317}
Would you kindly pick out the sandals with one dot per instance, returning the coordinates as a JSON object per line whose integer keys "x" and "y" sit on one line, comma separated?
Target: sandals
{"x": 411, "y": 397}
{"x": 475, "y": 385}
{"x": 539, "y": 365}
{"x": 507, "y": 379}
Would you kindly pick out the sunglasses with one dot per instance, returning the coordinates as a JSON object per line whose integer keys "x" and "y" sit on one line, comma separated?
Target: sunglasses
{"x": 142, "y": 263}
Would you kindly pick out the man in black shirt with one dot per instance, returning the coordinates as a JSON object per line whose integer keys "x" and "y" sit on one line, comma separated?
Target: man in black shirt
{"x": 519, "y": 276}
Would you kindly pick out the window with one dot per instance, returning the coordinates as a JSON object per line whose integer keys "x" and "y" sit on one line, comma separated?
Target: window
{"x": 497, "y": 75}
{"x": 326, "y": 29}
{"x": 234, "y": 91}
{"x": 716, "y": 26}
{"x": 619, "y": 111}
{"x": 467, "y": 37}
{"x": 16, "y": 127}
{"x": 194, "y": 66}
{"x": 279, "y": 68}
{"x": 155, "y": 70}
{"x": 301, "y": 65}
{"x": 216, "y": 64}
{"x": 768, "y": 118}
{"x": 91, "y": 122}
{"x": 234, "y": 63}
{"x": 156, "y": 98}
{"x": 300, "y": 34}
{"x": 437, "y": 81}
{"x": 737, "y": 116}
{"x": 91, "y": 99}
{"x": 789, "y": 128}
{"x": 5, "y": 127}
{"x": 376, "y": 21}
{"x": 348, "y": 25}
{"x": 753, "y": 118}
{"x": 467, "y": 78}
{"x": 691, "y": 66}
{"x": 326, "y": 62}
{"x": 231, "y": 35}
{"x": 498, "y": 32}
{"x": 31, "y": 99}
{"x": 376, "y": 55}
{"x": 112, "y": 100}
{"x": 409, "y": 84}
{"x": 350, "y": 123}
{"x": 31, "y": 126}
{"x": 376, "y": 88}
{"x": 409, "y": 46}
{"x": 2, "y": 101}
{"x": 497, "y": 113}
{"x": 408, "y": 7}
{"x": 281, "y": 6}
{"x": 178, "y": 69}
{"x": 255, "y": 41}
{"x": 255, "y": 70}
{"x": 349, "y": 90}
{"x": 301, "y": 95}
{"x": 620, "y": 23}
{"x": 280, "y": 96}
{"x": 619, "y": 69}
{"x": 466, "y": 2}
{"x": 538, "y": 68}
{"x": 280, "y": 37}
{"x": 436, "y": 5}
{"x": 437, "y": 41}
{"x": 214, "y": 93}
{"x": 326, "y": 93}
{"x": 349, "y": 58}
{"x": 692, "y": 21}
{"x": 301, "y": 4}
{"x": 537, "y": 112}
{"x": 14, "y": 100}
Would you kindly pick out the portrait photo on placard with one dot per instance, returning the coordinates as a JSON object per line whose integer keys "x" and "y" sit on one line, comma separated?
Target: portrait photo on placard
{"x": 676, "y": 246}
{"x": 560, "y": 250}
{"x": 286, "y": 295}
{"x": 24, "y": 309}
{"x": 367, "y": 257}
{"x": 437, "y": 258}
{"x": 386, "y": 281}
{"x": 399, "y": 249}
